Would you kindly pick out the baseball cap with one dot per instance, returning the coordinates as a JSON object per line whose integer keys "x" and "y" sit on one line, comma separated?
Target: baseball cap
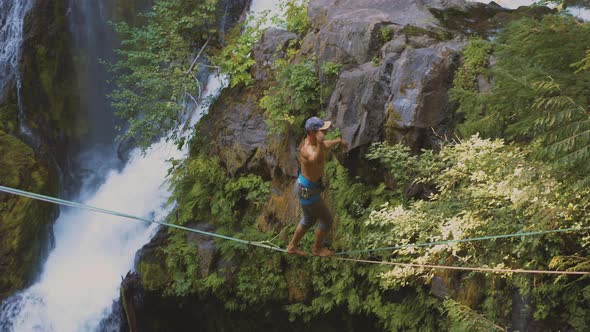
{"x": 315, "y": 124}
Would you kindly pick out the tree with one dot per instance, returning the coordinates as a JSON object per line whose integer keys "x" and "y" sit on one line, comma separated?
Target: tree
{"x": 153, "y": 72}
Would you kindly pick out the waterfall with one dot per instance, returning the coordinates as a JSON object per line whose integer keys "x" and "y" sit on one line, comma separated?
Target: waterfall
{"x": 12, "y": 16}
{"x": 82, "y": 275}
{"x": 80, "y": 280}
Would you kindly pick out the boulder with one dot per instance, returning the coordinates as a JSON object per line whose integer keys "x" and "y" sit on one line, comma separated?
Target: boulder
{"x": 272, "y": 46}
{"x": 345, "y": 31}
{"x": 406, "y": 91}
{"x": 205, "y": 247}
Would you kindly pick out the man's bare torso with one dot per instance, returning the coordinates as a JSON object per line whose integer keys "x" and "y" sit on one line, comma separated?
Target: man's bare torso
{"x": 312, "y": 158}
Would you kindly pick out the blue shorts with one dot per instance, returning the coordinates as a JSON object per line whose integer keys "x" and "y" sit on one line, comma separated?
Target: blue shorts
{"x": 314, "y": 209}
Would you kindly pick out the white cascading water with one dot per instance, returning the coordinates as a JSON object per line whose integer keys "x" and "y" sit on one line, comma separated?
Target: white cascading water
{"x": 12, "y": 16}
{"x": 82, "y": 275}
{"x": 81, "y": 278}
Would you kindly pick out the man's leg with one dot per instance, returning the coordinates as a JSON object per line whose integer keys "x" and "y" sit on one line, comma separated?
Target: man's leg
{"x": 318, "y": 247}
{"x": 322, "y": 230}
{"x": 292, "y": 248}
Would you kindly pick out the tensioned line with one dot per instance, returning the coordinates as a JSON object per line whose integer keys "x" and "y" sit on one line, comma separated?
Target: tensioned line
{"x": 124, "y": 215}
{"x": 472, "y": 239}
{"x": 271, "y": 247}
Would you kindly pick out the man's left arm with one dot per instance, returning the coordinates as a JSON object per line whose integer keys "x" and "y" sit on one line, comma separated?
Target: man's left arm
{"x": 330, "y": 143}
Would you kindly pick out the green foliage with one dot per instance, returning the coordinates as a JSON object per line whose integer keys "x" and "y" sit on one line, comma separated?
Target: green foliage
{"x": 485, "y": 187}
{"x": 152, "y": 72}
{"x": 562, "y": 129}
{"x": 475, "y": 61}
{"x": 402, "y": 166}
{"x": 333, "y": 134}
{"x": 538, "y": 95}
{"x": 182, "y": 261}
{"x": 584, "y": 64}
{"x": 331, "y": 69}
{"x": 385, "y": 34}
{"x": 203, "y": 191}
{"x": 464, "y": 318}
{"x": 296, "y": 18}
{"x": 235, "y": 59}
{"x": 396, "y": 158}
{"x": 295, "y": 96}
{"x": 376, "y": 61}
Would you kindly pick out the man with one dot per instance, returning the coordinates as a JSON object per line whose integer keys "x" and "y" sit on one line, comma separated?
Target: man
{"x": 309, "y": 186}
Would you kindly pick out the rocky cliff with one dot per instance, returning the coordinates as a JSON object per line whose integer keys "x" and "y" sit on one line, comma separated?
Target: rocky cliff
{"x": 397, "y": 62}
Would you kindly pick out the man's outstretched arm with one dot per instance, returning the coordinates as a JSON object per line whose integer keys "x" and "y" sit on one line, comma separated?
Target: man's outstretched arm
{"x": 330, "y": 143}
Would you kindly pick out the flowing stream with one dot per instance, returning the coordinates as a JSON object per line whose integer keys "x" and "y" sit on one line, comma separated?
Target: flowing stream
{"x": 81, "y": 278}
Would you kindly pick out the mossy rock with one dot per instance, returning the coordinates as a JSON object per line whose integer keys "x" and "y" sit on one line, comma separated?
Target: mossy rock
{"x": 151, "y": 263}
{"x": 9, "y": 111}
{"x": 26, "y": 223}
{"x": 436, "y": 33}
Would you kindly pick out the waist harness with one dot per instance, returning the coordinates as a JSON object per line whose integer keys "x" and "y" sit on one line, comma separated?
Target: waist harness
{"x": 310, "y": 191}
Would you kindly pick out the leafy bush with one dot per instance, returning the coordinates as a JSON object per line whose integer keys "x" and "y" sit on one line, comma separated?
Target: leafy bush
{"x": 294, "y": 98}
{"x": 485, "y": 187}
{"x": 475, "y": 61}
{"x": 235, "y": 59}
{"x": 152, "y": 70}
{"x": 537, "y": 96}
{"x": 331, "y": 69}
{"x": 296, "y": 19}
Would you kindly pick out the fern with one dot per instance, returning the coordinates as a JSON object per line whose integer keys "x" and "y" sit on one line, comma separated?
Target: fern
{"x": 464, "y": 318}
{"x": 563, "y": 129}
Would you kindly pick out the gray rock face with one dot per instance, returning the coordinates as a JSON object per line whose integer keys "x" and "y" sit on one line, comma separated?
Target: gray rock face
{"x": 271, "y": 47}
{"x": 408, "y": 90}
{"x": 237, "y": 122}
{"x": 397, "y": 70}
{"x": 345, "y": 30}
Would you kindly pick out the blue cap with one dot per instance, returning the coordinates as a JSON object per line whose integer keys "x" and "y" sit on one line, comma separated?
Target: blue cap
{"x": 315, "y": 124}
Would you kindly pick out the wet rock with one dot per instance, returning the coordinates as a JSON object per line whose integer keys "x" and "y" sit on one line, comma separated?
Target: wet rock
{"x": 272, "y": 46}
{"x": 25, "y": 227}
{"x": 124, "y": 149}
{"x": 51, "y": 100}
{"x": 206, "y": 249}
{"x": 132, "y": 301}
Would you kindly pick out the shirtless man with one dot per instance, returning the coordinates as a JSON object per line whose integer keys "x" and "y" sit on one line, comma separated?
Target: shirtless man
{"x": 309, "y": 186}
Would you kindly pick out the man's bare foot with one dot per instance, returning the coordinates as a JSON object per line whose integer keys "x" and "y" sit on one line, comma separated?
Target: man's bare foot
{"x": 323, "y": 252}
{"x": 296, "y": 251}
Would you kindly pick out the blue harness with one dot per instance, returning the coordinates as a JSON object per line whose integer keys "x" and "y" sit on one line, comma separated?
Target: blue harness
{"x": 310, "y": 191}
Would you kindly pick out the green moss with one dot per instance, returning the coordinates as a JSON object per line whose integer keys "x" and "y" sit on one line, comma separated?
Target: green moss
{"x": 9, "y": 113}
{"x": 475, "y": 61}
{"x": 24, "y": 229}
{"x": 436, "y": 33}
{"x": 154, "y": 276}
